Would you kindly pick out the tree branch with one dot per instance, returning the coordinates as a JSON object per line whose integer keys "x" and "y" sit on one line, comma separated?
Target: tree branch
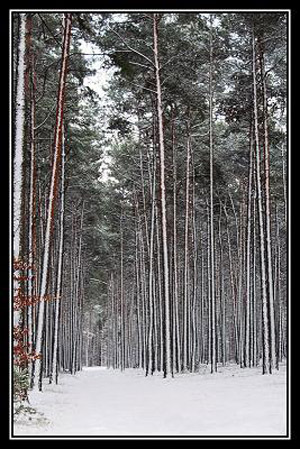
{"x": 131, "y": 48}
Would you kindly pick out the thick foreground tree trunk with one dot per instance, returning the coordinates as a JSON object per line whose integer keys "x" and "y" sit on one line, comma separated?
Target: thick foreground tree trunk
{"x": 52, "y": 195}
{"x": 18, "y": 170}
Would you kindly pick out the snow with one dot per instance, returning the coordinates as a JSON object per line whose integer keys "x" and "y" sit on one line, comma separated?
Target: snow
{"x": 101, "y": 401}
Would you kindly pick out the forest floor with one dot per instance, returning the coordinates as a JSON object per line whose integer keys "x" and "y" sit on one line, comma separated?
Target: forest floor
{"x": 100, "y": 401}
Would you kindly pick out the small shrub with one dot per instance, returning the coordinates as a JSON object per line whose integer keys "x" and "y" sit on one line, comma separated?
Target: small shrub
{"x": 20, "y": 383}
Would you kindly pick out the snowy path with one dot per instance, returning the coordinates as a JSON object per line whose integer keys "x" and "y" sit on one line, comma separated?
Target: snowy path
{"x": 107, "y": 402}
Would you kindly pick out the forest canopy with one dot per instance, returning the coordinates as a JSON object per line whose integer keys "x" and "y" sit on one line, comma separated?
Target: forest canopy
{"x": 149, "y": 191}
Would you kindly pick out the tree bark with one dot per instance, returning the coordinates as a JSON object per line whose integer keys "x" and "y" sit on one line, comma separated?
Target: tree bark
{"x": 18, "y": 167}
{"x": 265, "y": 322}
{"x": 167, "y": 365}
{"x": 248, "y": 255}
{"x": 54, "y": 371}
{"x": 211, "y": 235}
{"x": 176, "y": 329}
{"x": 51, "y": 206}
{"x": 268, "y": 214}
{"x": 185, "y": 337}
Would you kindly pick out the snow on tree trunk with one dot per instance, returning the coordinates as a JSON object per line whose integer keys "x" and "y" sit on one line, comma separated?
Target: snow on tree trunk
{"x": 186, "y": 261}
{"x": 52, "y": 195}
{"x": 31, "y": 213}
{"x": 18, "y": 170}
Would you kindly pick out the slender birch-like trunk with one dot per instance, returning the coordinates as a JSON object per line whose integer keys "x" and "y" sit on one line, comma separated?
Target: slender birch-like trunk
{"x": 248, "y": 255}
{"x": 138, "y": 304}
{"x": 254, "y": 320}
{"x": 144, "y": 296}
{"x": 160, "y": 289}
{"x": 222, "y": 293}
{"x": 31, "y": 213}
{"x": 201, "y": 312}
{"x": 195, "y": 278}
{"x": 241, "y": 265}
{"x": 283, "y": 158}
{"x": 54, "y": 371}
{"x": 144, "y": 199}
{"x": 18, "y": 167}
{"x": 277, "y": 284}
{"x": 209, "y": 344}
{"x": 185, "y": 337}
{"x": 52, "y": 194}
{"x": 122, "y": 296}
{"x": 75, "y": 317}
{"x": 233, "y": 287}
{"x": 176, "y": 330}
{"x": 151, "y": 291}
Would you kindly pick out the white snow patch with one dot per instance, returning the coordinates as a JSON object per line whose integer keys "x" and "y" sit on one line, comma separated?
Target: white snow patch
{"x": 99, "y": 401}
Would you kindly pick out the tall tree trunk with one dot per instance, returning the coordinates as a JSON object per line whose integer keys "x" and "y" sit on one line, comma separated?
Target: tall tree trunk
{"x": 265, "y": 322}
{"x": 52, "y": 194}
{"x": 211, "y": 236}
{"x": 185, "y": 337}
{"x": 283, "y": 158}
{"x": 248, "y": 255}
{"x": 278, "y": 292}
{"x": 201, "y": 288}
{"x": 31, "y": 214}
{"x": 77, "y": 272}
{"x": 18, "y": 167}
{"x": 54, "y": 371}
{"x": 222, "y": 292}
{"x": 209, "y": 339}
{"x": 138, "y": 304}
{"x": 176, "y": 329}
{"x": 122, "y": 296}
{"x": 160, "y": 289}
{"x": 254, "y": 357}
{"x": 151, "y": 291}
{"x": 167, "y": 365}
{"x": 268, "y": 214}
{"x": 195, "y": 278}
{"x": 233, "y": 287}
{"x": 241, "y": 265}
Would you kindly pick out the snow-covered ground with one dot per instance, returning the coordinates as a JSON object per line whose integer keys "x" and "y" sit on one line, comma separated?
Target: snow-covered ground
{"x": 100, "y": 401}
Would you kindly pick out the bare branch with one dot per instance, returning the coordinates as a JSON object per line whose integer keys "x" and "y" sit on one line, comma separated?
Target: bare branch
{"x": 141, "y": 65}
{"x": 51, "y": 34}
{"x": 145, "y": 88}
{"x": 44, "y": 121}
{"x": 131, "y": 48}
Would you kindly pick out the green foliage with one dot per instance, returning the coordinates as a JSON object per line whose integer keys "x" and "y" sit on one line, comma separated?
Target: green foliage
{"x": 20, "y": 383}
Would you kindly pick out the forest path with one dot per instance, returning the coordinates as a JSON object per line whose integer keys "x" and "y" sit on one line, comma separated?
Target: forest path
{"x": 98, "y": 401}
